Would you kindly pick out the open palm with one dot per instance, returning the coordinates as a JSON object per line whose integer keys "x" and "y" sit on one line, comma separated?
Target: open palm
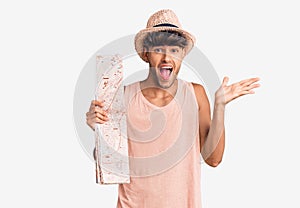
{"x": 227, "y": 93}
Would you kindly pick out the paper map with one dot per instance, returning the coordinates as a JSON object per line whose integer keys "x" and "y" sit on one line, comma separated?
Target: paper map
{"x": 112, "y": 166}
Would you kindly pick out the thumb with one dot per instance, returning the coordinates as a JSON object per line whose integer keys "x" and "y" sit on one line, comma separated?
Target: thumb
{"x": 225, "y": 81}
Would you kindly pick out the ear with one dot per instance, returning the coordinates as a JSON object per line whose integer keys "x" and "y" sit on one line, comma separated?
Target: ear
{"x": 144, "y": 55}
{"x": 184, "y": 52}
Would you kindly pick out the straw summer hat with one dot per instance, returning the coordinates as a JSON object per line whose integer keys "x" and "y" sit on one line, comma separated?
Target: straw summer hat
{"x": 163, "y": 20}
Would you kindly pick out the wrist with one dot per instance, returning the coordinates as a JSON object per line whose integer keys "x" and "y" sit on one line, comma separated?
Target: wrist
{"x": 219, "y": 99}
{"x": 219, "y": 106}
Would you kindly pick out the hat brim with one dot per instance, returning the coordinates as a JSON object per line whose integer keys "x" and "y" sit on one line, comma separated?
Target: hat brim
{"x": 140, "y": 36}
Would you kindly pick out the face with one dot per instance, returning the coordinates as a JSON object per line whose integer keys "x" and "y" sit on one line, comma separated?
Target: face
{"x": 165, "y": 63}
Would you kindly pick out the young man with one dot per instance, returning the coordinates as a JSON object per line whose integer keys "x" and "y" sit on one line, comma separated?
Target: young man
{"x": 169, "y": 121}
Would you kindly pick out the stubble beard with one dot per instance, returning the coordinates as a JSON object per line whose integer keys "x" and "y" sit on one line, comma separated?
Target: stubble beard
{"x": 164, "y": 84}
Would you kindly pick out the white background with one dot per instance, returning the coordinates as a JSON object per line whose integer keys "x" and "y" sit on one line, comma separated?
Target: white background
{"x": 45, "y": 44}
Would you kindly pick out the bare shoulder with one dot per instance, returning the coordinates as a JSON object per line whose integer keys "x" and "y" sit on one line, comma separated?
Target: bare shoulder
{"x": 200, "y": 94}
{"x": 199, "y": 90}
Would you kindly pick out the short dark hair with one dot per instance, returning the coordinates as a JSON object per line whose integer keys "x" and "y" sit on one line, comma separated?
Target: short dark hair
{"x": 161, "y": 38}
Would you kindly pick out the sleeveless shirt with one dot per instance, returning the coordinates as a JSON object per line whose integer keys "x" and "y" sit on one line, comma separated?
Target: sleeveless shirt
{"x": 164, "y": 151}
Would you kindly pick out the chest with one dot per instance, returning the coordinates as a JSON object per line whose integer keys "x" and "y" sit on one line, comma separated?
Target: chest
{"x": 160, "y": 102}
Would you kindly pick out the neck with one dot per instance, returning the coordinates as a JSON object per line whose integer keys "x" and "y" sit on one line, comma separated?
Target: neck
{"x": 151, "y": 88}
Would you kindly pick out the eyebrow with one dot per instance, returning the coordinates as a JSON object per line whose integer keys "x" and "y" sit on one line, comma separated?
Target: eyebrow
{"x": 166, "y": 45}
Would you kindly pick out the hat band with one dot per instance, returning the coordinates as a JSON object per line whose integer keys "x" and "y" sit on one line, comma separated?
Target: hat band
{"x": 165, "y": 25}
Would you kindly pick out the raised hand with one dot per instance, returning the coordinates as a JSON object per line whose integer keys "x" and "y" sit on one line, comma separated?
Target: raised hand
{"x": 227, "y": 93}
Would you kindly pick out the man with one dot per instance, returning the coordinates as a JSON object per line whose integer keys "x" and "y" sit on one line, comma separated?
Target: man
{"x": 169, "y": 121}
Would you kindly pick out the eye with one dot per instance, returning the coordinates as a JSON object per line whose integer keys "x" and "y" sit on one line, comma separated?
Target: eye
{"x": 174, "y": 50}
{"x": 157, "y": 50}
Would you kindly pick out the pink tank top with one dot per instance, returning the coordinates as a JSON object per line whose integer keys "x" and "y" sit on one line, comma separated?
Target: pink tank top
{"x": 164, "y": 151}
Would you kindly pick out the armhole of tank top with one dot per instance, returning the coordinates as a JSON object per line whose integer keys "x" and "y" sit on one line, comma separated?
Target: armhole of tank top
{"x": 129, "y": 91}
{"x": 190, "y": 85}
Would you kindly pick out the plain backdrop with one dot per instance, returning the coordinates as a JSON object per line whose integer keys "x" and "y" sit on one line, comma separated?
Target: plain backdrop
{"x": 45, "y": 44}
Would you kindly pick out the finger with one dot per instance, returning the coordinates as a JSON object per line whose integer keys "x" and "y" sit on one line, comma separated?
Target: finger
{"x": 101, "y": 117}
{"x": 98, "y": 120}
{"x": 249, "y": 81}
{"x": 225, "y": 81}
{"x": 246, "y": 92}
{"x": 98, "y": 103}
{"x": 251, "y": 87}
{"x": 95, "y": 109}
{"x": 91, "y": 116}
{"x": 101, "y": 111}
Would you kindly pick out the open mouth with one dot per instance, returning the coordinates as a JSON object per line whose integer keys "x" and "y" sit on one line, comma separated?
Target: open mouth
{"x": 165, "y": 72}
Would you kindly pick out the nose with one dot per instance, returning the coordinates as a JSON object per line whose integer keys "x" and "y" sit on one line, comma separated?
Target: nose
{"x": 166, "y": 56}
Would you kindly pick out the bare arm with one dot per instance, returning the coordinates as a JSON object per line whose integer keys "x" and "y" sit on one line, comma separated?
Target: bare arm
{"x": 212, "y": 131}
{"x": 211, "y": 140}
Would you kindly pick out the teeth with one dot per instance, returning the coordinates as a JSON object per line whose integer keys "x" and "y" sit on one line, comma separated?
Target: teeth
{"x": 167, "y": 67}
